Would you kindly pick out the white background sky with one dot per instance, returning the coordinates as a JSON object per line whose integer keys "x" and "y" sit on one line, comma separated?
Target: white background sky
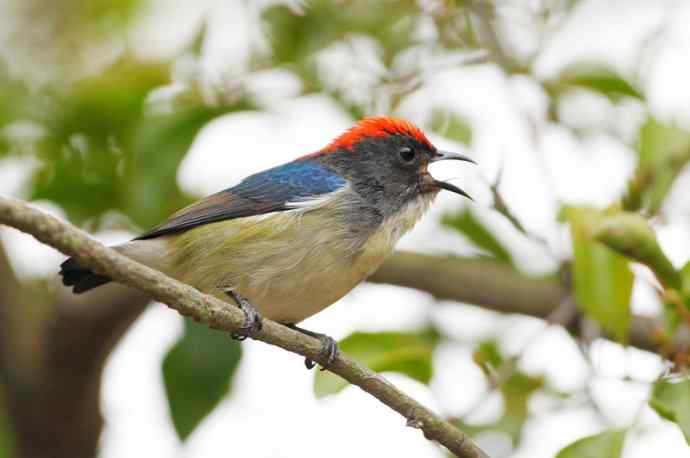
{"x": 271, "y": 412}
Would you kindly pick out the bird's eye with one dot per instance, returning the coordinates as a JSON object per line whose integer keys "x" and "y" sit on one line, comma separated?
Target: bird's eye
{"x": 406, "y": 154}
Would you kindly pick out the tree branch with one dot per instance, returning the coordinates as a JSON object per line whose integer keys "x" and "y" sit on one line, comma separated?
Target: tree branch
{"x": 220, "y": 315}
{"x": 472, "y": 280}
{"x": 495, "y": 286}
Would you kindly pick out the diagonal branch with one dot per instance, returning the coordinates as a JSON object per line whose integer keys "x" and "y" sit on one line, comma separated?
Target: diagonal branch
{"x": 220, "y": 315}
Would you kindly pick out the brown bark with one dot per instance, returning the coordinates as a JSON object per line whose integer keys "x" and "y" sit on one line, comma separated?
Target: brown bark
{"x": 498, "y": 287}
{"x": 52, "y": 350}
{"x": 474, "y": 281}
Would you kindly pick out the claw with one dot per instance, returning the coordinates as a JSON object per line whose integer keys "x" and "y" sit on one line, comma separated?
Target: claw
{"x": 252, "y": 319}
{"x": 329, "y": 348}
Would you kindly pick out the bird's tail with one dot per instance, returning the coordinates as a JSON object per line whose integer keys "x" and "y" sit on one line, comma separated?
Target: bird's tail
{"x": 81, "y": 278}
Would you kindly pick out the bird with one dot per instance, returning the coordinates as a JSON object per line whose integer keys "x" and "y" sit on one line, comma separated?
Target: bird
{"x": 287, "y": 242}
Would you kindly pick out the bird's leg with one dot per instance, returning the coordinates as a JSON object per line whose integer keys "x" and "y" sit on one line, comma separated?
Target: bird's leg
{"x": 329, "y": 347}
{"x": 252, "y": 319}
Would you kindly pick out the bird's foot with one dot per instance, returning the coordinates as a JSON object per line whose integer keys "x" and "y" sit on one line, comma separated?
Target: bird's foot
{"x": 252, "y": 319}
{"x": 329, "y": 348}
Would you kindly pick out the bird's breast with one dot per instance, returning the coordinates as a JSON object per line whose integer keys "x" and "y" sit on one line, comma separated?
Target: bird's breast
{"x": 382, "y": 241}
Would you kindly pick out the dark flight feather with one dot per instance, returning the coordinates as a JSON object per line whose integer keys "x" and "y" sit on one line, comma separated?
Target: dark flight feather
{"x": 265, "y": 192}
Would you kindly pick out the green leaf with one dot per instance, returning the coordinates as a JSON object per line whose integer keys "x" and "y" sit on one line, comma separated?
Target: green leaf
{"x": 685, "y": 278}
{"x": 296, "y": 36}
{"x": 631, "y": 235}
{"x": 664, "y": 151}
{"x": 608, "y": 444}
{"x": 671, "y": 399}
{"x": 14, "y": 97}
{"x": 197, "y": 372}
{"x": 471, "y": 227}
{"x": 6, "y": 434}
{"x": 452, "y": 126}
{"x": 106, "y": 149}
{"x": 516, "y": 390}
{"x": 658, "y": 142}
{"x": 157, "y": 145}
{"x": 97, "y": 19}
{"x": 406, "y": 353}
{"x": 685, "y": 284}
{"x": 599, "y": 79}
{"x": 515, "y": 387}
{"x": 488, "y": 354}
{"x": 602, "y": 278}
{"x": 86, "y": 148}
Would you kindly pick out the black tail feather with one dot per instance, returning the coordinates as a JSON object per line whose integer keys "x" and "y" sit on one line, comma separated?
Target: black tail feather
{"x": 81, "y": 278}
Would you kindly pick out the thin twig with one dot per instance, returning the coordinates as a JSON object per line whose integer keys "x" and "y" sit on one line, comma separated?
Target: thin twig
{"x": 220, "y": 315}
{"x": 501, "y": 207}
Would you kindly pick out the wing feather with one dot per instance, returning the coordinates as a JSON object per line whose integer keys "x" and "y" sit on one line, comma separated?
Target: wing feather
{"x": 269, "y": 191}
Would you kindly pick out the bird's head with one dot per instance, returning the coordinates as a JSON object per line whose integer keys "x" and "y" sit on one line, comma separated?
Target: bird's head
{"x": 386, "y": 160}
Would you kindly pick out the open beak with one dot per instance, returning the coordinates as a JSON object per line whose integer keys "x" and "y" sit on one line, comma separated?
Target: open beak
{"x": 451, "y": 188}
{"x": 447, "y": 156}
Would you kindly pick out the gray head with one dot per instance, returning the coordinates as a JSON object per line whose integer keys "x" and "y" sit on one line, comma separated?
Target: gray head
{"x": 386, "y": 160}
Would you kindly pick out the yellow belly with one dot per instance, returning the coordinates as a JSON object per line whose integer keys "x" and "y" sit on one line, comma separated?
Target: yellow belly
{"x": 317, "y": 281}
{"x": 289, "y": 265}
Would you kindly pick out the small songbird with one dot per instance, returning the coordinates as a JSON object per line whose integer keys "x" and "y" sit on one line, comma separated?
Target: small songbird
{"x": 289, "y": 241}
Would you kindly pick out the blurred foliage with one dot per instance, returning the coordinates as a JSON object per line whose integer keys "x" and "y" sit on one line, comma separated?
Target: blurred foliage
{"x": 671, "y": 400}
{"x": 452, "y": 126}
{"x": 685, "y": 284}
{"x": 102, "y": 14}
{"x": 515, "y": 387}
{"x": 602, "y": 278}
{"x": 14, "y": 95}
{"x": 408, "y": 353}
{"x": 664, "y": 152}
{"x": 516, "y": 391}
{"x": 297, "y": 34}
{"x": 6, "y": 438}
{"x": 455, "y": 24}
{"x": 105, "y": 148}
{"x": 89, "y": 135}
{"x": 58, "y": 41}
{"x": 631, "y": 235}
{"x": 595, "y": 78}
{"x": 608, "y": 444}
{"x": 198, "y": 372}
{"x": 488, "y": 356}
{"x": 466, "y": 223}
{"x": 105, "y": 10}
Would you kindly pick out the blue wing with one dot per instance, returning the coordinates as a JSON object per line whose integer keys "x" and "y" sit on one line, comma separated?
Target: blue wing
{"x": 264, "y": 192}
